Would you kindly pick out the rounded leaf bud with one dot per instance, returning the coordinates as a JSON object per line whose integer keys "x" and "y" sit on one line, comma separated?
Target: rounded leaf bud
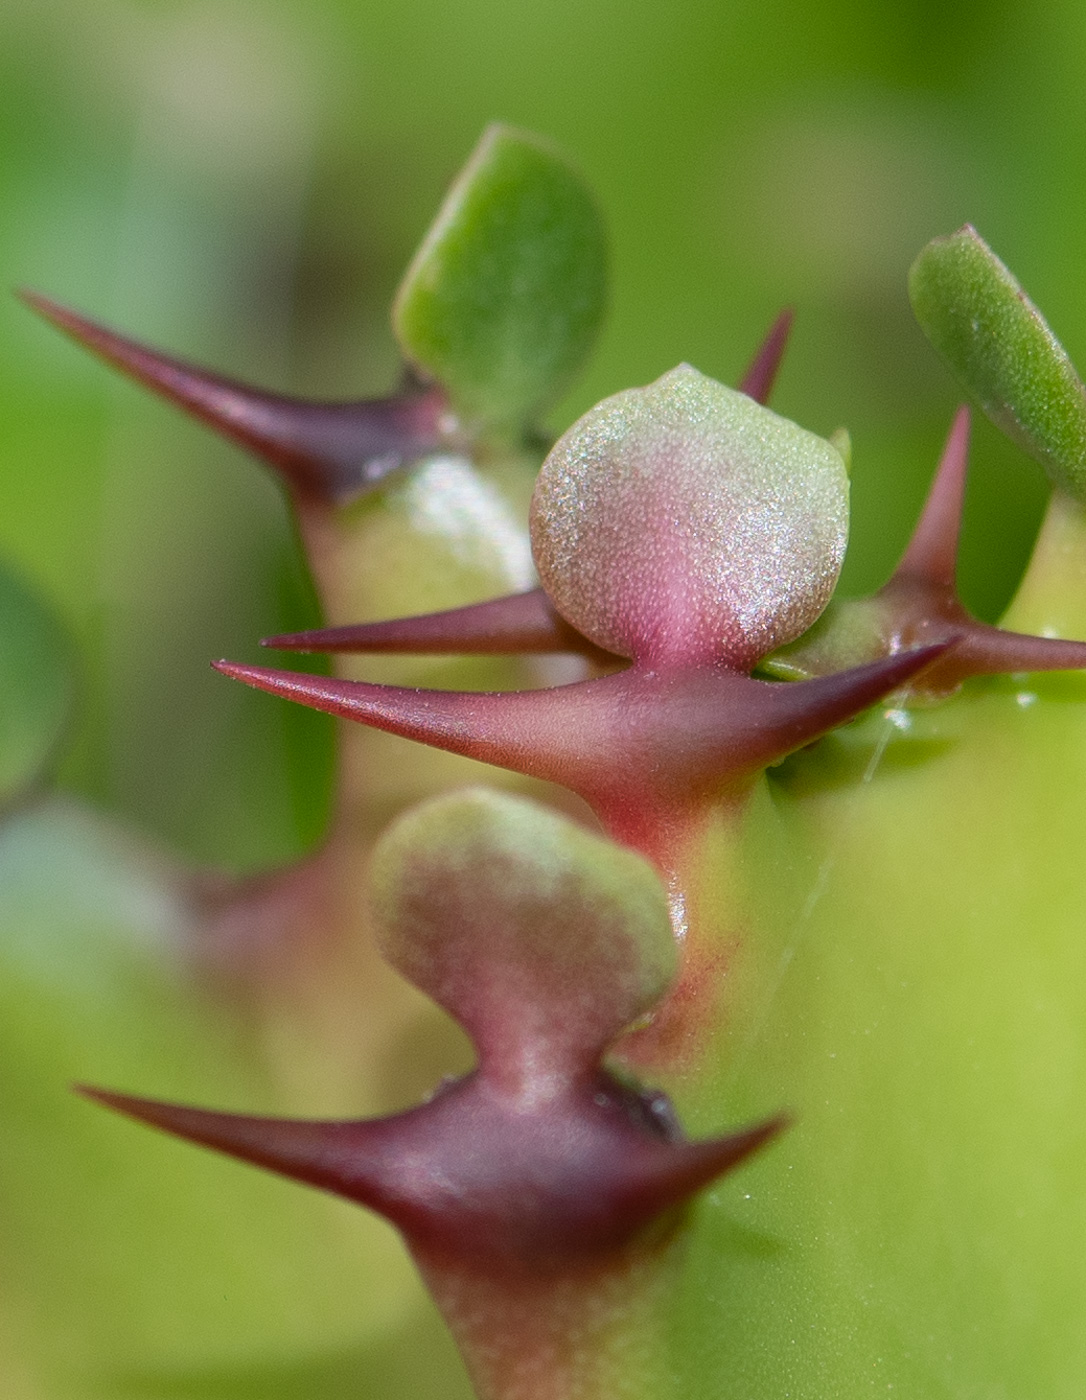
{"x": 685, "y": 522}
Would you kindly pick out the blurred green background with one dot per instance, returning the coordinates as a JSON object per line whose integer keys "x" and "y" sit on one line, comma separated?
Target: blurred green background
{"x": 243, "y": 181}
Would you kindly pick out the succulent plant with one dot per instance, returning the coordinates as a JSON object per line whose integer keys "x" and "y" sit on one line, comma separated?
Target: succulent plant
{"x": 770, "y": 961}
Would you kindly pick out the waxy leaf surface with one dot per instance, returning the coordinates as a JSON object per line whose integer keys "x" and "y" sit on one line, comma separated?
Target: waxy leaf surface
{"x": 504, "y": 297}
{"x": 979, "y": 319}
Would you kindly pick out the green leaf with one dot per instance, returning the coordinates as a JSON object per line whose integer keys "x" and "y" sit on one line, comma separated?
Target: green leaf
{"x": 35, "y": 685}
{"x": 501, "y": 909}
{"x": 979, "y": 319}
{"x": 505, "y": 296}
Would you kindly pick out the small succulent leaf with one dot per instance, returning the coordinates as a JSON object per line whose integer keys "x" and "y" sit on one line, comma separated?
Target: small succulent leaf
{"x": 35, "y": 685}
{"x": 980, "y": 320}
{"x": 530, "y": 930}
{"x": 685, "y": 521}
{"x": 849, "y": 633}
{"x": 505, "y": 296}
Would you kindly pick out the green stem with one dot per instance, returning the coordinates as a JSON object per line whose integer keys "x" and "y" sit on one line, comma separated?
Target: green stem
{"x": 1051, "y": 599}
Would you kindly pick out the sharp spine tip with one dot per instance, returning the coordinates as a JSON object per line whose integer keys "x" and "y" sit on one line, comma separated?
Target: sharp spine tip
{"x": 331, "y": 451}
{"x": 932, "y": 552}
{"x": 761, "y": 373}
{"x": 518, "y": 623}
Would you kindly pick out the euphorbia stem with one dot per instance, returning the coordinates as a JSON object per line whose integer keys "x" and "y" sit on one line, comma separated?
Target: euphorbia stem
{"x": 735, "y": 924}
{"x": 593, "y": 1335}
{"x": 1051, "y": 599}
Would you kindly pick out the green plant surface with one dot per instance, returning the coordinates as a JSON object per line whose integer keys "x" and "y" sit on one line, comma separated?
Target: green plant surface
{"x": 895, "y": 914}
{"x": 915, "y": 1001}
{"x": 117, "y": 1264}
{"x": 35, "y": 687}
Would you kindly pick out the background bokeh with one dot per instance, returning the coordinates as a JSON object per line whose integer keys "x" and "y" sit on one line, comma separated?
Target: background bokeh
{"x": 242, "y": 182}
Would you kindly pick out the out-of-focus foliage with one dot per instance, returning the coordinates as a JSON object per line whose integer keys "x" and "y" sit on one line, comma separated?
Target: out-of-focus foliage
{"x": 35, "y": 687}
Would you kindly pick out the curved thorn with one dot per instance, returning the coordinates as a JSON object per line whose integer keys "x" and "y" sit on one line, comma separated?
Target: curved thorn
{"x": 798, "y": 712}
{"x": 693, "y": 1165}
{"x": 986, "y": 650}
{"x": 333, "y": 451}
{"x": 518, "y": 623}
{"x": 614, "y": 739}
{"x": 932, "y": 553}
{"x": 761, "y": 373}
{"x": 333, "y": 1156}
{"x": 532, "y": 732}
{"x": 600, "y": 1177}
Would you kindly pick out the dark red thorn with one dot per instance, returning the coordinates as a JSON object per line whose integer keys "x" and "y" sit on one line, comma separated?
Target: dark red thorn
{"x": 703, "y": 1162}
{"x": 332, "y": 451}
{"x": 629, "y": 742}
{"x": 921, "y": 598}
{"x": 932, "y": 553}
{"x": 919, "y": 603}
{"x": 761, "y": 373}
{"x": 518, "y": 623}
{"x": 543, "y": 733}
{"x": 480, "y": 1180}
{"x": 990, "y": 651}
{"x": 302, "y": 1150}
{"x": 338, "y": 1157}
{"x": 798, "y": 712}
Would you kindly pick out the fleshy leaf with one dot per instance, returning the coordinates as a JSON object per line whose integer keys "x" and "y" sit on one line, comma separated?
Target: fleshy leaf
{"x": 504, "y": 297}
{"x": 980, "y": 320}
{"x": 35, "y": 685}
{"x": 686, "y": 521}
{"x": 527, "y": 928}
